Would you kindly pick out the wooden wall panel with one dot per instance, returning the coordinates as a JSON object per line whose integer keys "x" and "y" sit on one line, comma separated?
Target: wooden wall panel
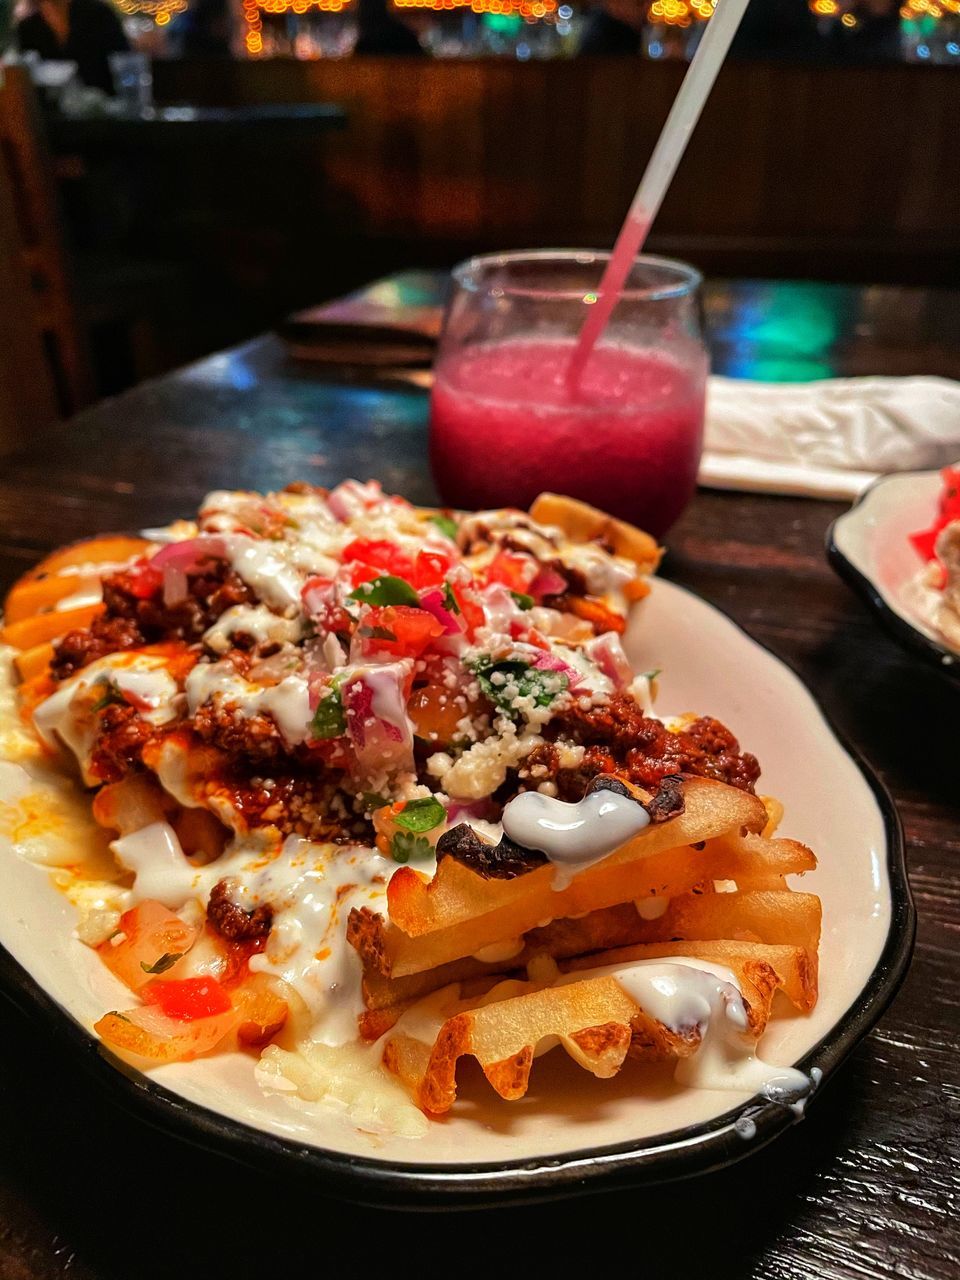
{"x": 493, "y": 153}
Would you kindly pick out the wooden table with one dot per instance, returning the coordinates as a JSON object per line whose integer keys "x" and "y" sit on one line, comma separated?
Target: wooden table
{"x": 862, "y": 1188}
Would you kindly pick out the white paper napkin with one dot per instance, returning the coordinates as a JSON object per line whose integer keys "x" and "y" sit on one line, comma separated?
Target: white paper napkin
{"x": 827, "y": 439}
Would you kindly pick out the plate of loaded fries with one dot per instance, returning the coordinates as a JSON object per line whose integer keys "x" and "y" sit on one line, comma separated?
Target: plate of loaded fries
{"x": 440, "y": 856}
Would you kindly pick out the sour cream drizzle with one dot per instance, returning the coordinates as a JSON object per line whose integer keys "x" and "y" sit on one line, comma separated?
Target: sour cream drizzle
{"x": 694, "y": 995}
{"x": 257, "y": 621}
{"x": 68, "y": 716}
{"x": 264, "y": 565}
{"x": 573, "y": 836}
{"x": 310, "y": 888}
{"x": 288, "y": 702}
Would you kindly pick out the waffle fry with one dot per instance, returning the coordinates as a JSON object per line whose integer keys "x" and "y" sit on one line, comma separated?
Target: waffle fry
{"x": 398, "y": 967}
{"x": 583, "y": 523}
{"x": 753, "y": 862}
{"x": 595, "y": 1020}
{"x": 458, "y": 896}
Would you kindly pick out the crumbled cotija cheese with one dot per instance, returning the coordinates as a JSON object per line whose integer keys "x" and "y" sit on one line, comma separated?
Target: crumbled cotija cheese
{"x": 483, "y": 768}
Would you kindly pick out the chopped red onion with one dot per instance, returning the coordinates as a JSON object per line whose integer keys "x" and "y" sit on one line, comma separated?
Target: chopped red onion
{"x": 607, "y": 652}
{"x": 547, "y": 583}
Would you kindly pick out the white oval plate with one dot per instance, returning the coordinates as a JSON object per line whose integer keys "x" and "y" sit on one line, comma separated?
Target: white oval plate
{"x": 570, "y": 1130}
{"x": 869, "y": 547}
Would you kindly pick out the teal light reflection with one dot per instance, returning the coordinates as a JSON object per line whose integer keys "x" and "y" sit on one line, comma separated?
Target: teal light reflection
{"x": 782, "y": 333}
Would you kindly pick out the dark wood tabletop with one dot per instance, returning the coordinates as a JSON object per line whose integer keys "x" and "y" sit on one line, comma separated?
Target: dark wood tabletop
{"x": 865, "y": 1187}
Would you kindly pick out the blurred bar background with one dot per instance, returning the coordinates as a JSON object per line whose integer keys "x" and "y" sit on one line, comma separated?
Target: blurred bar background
{"x": 221, "y": 163}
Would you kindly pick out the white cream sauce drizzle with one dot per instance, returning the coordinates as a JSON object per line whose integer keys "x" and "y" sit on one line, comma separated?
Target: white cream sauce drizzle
{"x": 67, "y": 716}
{"x": 264, "y": 565}
{"x": 573, "y": 836}
{"x": 603, "y": 573}
{"x": 257, "y": 621}
{"x": 288, "y": 702}
{"x": 685, "y": 995}
{"x": 91, "y": 594}
{"x": 311, "y": 889}
{"x": 307, "y": 947}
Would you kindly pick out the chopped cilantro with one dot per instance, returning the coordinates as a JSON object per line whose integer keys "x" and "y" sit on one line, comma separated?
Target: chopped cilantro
{"x": 405, "y": 845}
{"x": 111, "y": 697}
{"x": 446, "y": 526}
{"x": 652, "y": 675}
{"x": 523, "y": 601}
{"x": 376, "y": 633}
{"x": 386, "y": 589}
{"x": 166, "y": 961}
{"x": 373, "y": 800}
{"x": 496, "y": 677}
{"x": 421, "y": 815}
{"x": 328, "y": 719}
{"x": 449, "y": 599}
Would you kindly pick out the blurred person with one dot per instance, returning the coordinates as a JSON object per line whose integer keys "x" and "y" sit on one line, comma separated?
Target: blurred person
{"x": 82, "y": 31}
{"x": 381, "y": 31}
{"x": 614, "y": 29}
{"x": 779, "y": 30}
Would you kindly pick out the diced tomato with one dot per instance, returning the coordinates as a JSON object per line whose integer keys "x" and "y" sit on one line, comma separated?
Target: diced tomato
{"x": 431, "y": 567}
{"x": 187, "y": 998}
{"x": 359, "y": 572}
{"x": 436, "y": 711}
{"x": 379, "y": 554}
{"x": 142, "y": 579}
{"x": 515, "y": 572}
{"x": 924, "y": 541}
{"x": 398, "y": 629}
{"x": 529, "y": 635}
{"x": 471, "y": 610}
{"x": 320, "y": 600}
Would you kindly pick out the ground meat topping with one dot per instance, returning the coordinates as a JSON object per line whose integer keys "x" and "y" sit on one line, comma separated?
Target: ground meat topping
{"x": 231, "y": 921}
{"x": 210, "y": 592}
{"x": 121, "y": 736}
{"x": 254, "y": 738}
{"x": 105, "y": 635}
{"x": 131, "y": 619}
{"x": 295, "y": 799}
{"x": 620, "y": 740}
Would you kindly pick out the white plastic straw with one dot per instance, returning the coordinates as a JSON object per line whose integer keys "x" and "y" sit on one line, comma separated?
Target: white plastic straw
{"x": 667, "y": 154}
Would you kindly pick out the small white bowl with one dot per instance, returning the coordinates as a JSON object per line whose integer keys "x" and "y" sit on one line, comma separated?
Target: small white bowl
{"x": 870, "y": 549}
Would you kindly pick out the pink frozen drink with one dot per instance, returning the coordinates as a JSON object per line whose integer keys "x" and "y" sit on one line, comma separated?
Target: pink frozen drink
{"x": 506, "y": 425}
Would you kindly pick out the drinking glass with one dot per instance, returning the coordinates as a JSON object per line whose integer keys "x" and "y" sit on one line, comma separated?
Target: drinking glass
{"x": 506, "y": 421}
{"x": 132, "y": 82}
